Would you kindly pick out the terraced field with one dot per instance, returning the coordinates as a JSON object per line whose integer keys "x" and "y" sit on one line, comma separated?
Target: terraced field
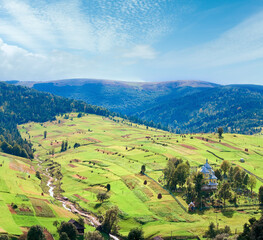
{"x": 22, "y": 202}
{"x": 114, "y": 151}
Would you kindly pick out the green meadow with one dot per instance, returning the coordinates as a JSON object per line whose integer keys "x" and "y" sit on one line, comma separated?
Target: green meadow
{"x": 21, "y": 202}
{"x": 113, "y": 151}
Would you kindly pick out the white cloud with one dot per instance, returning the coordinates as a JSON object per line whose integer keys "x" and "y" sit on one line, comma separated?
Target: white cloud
{"x": 142, "y": 52}
{"x": 96, "y": 26}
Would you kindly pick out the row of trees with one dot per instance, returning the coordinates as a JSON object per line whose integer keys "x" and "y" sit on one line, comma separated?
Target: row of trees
{"x": 239, "y": 179}
{"x": 175, "y": 173}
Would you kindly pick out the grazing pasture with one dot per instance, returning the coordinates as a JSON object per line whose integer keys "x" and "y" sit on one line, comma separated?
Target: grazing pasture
{"x": 112, "y": 151}
{"x": 21, "y": 202}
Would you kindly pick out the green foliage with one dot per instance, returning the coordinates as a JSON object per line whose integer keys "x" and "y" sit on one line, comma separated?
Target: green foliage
{"x": 260, "y": 195}
{"x": 63, "y": 236}
{"x": 45, "y": 134}
{"x": 101, "y": 196}
{"x": 4, "y": 237}
{"x": 69, "y": 229}
{"x": 253, "y": 230}
{"x": 93, "y": 236}
{"x": 176, "y": 172}
{"x": 38, "y": 175}
{"x": 252, "y": 182}
{"x": 225, "y": 192}
{"x": 143, "y": 169}
{"x": 135, "y": 234}
{"x": 76, "y": 145}
{"x": 110, "y": 223}
{"x": 198, "y": 181}
{"x": 108, "y": 186}
{"x": 36, "y": 233}
{"x": 225, "y": 166}
{"x": 211, "y": 233}
{"x": 220, "y": 131}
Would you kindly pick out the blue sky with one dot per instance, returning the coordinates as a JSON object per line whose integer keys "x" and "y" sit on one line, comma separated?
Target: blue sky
{"x": 133, "y": 40}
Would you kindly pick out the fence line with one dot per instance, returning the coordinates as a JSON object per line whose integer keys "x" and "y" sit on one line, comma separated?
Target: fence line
{"x": 181, "y": 205}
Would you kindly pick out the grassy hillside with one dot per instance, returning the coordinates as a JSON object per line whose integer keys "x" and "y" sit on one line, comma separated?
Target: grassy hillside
{"x": 20, "y": 105}
{"x": 21, "y": 189}
{"x": 113, "y": 151}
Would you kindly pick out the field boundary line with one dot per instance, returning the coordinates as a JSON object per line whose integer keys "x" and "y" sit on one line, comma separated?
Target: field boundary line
{"x": 181, "y": 205}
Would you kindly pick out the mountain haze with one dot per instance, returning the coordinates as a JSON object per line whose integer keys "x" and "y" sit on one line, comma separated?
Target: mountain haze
{"x": 182, "y": 105}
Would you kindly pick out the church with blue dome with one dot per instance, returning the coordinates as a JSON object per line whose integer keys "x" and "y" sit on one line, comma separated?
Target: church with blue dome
{"x": 210, "y": 180}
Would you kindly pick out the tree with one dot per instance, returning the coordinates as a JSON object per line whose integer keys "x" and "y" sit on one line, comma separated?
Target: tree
{"x": 38, "y": 175}
{"x": 183, "y": 172}
{"x": 238, "y": 180}
{"x": 62, "y": 146}
{"x": 253, "y": 230}
{"x": 143, "y": 169}
{"x": 260, "y": 195}
{"x": 170, "y": 173}
{"x": 225, "y": 192}
{"x": 93, "y": 236}
{"x": 101, "y": 196}
{"x": 225, "y": 166}
{"x": 220, "y": 131}
{"x": 211, "y": 233}
{"x": 4, "y": 237}
{"x": 110, "y": 223}
{"x": 56, "y": 223}
{"x": 36, "y": 233}
{"x": 231, "y": 174}
{"x": 218, "y": 174}
{"x": 108, "y": 187}
{"x": 198, "y": 181}
{"x": 135, "y": 234}
{"x": 76, "y": 145}
{"x": 45, "y": 134}
{"x": 252, "y": 182}
{"x": 69, "y": 229}
{"x": 246, "y": 178}
{"x": 63, "y": 236}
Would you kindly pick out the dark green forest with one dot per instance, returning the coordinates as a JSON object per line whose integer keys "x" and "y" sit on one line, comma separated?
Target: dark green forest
{"x": 179, "y": 106}
{"x": 238, "y": 109}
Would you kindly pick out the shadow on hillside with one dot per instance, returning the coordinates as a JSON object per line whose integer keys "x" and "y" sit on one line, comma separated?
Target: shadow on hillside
{"x": 228, "y": 213}
{"x": 97, "y": 205}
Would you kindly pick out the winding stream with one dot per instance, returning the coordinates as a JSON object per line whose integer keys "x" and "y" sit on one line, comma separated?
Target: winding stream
{"x": 69, "y": 206}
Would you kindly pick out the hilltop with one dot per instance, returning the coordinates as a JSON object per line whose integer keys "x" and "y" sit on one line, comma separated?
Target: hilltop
{"x": 185, "y": 106}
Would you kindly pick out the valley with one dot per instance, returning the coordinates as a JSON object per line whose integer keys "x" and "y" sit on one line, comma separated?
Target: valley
{"x": 112, "y": 151}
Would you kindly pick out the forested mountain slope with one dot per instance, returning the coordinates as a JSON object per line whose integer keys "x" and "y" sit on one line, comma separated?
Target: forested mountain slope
{"x": 237, "y": 109}
{"x": 20, "y": 105}
{"x": 193, "y": 106}
{"x": 124, "y": 97}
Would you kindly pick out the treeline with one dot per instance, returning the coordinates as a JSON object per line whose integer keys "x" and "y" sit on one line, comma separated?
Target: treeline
{"x": 19, "y": 105}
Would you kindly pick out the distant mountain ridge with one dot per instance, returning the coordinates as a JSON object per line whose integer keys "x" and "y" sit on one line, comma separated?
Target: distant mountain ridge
{"x": 124, "y": 97}
{"x": 181, "y": 105}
